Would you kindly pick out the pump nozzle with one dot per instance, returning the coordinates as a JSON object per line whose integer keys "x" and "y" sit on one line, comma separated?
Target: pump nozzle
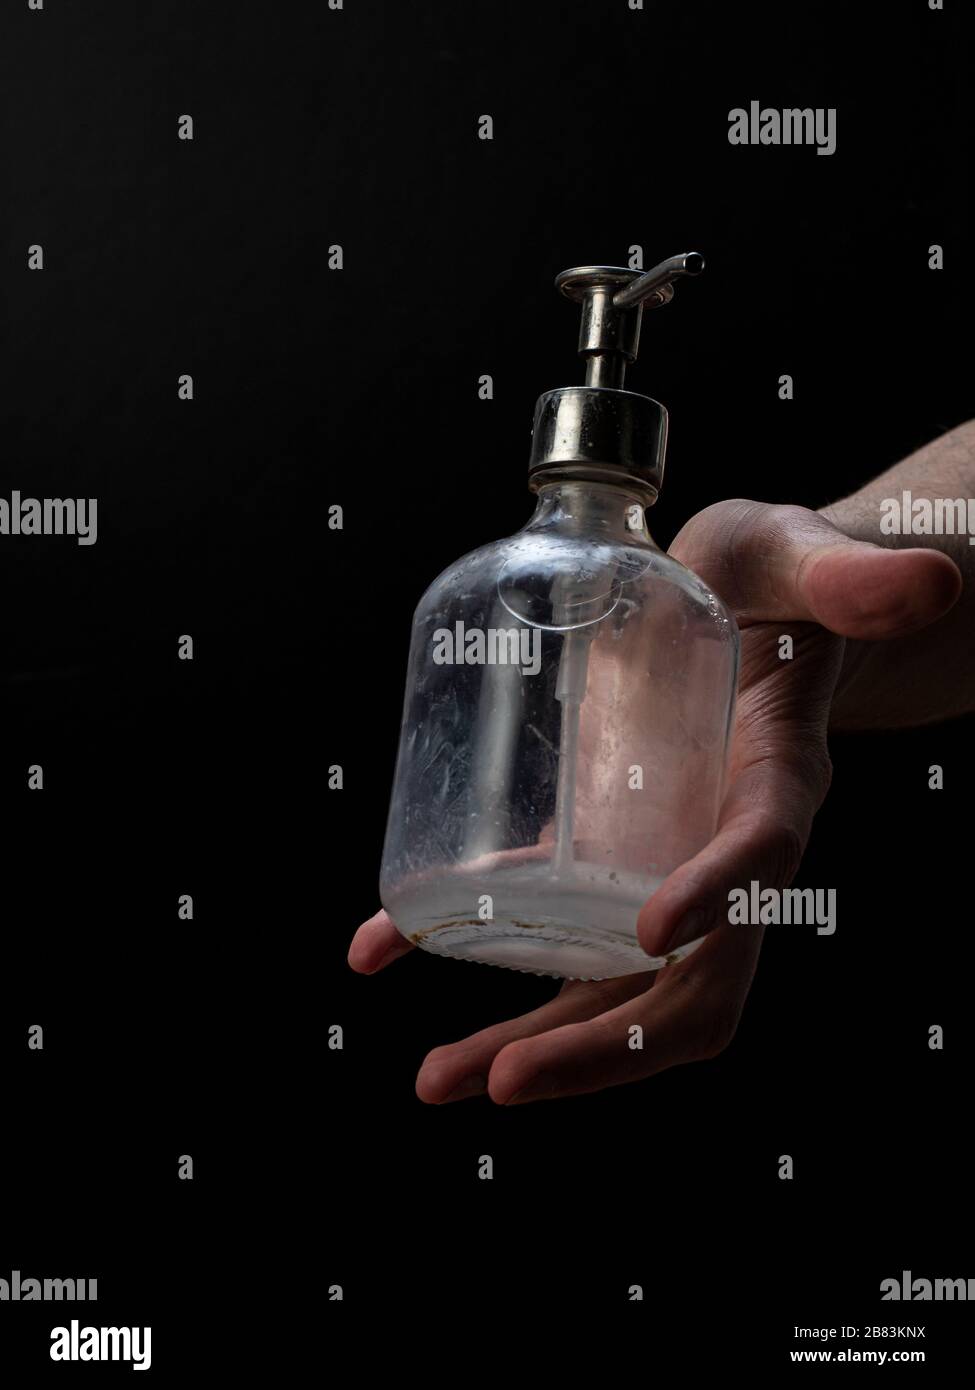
{"x": 600, "y": 430}
{"x": 613, "y": 300}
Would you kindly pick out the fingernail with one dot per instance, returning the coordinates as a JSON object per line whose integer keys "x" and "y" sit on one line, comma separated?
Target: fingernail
{"x": 541, "y": 1087}
{"x": 470, "y": 1086}
{"x": 692, "y": 925}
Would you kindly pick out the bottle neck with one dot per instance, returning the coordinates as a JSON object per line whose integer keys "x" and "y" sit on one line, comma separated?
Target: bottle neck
{"x": 602, "y": 511}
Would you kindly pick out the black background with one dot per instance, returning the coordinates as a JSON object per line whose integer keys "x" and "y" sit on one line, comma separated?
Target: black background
{"x": 359, "y": 387}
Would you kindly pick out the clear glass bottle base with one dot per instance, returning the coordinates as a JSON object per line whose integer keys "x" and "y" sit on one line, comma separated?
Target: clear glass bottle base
{"x": 540, "y": 923}
{"x": 562, "y": 955}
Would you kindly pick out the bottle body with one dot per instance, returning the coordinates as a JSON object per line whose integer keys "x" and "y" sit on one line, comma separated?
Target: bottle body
{"x": 564, "y": 742}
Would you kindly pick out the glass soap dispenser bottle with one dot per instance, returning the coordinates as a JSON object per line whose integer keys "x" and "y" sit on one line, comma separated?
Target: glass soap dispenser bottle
{"x": 570, "y": 691}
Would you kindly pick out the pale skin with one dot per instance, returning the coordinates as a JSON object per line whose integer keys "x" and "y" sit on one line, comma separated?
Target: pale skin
{"x": 884, "y": 637}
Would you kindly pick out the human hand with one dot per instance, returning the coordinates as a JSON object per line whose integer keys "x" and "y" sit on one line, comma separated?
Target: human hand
{"x": 782, "y": 571}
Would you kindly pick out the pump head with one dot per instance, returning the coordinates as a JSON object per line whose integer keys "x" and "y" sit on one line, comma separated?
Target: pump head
{"x": 600, "y": 431}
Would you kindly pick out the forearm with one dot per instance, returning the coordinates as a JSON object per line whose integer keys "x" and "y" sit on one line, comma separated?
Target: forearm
{"x": 930, "y": 675}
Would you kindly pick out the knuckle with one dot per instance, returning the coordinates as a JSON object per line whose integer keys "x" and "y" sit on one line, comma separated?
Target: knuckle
{"x": 766, "y": 524}
{"x": 785, "y": 516}
{"x": 712, "y": 541}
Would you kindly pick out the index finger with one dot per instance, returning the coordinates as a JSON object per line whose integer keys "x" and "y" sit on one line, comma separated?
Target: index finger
{"x": 376, "y": 944}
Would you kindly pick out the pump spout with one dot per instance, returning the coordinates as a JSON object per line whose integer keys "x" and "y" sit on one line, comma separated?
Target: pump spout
{"x": 659, "y": 280}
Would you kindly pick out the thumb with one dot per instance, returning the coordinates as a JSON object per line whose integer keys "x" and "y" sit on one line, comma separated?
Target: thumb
{"x": 785, "y": 563}
{"x": 864, "y": 591}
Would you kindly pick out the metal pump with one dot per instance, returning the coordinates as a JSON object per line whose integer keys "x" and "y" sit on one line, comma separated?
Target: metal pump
{"x": 600, "y": 431}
